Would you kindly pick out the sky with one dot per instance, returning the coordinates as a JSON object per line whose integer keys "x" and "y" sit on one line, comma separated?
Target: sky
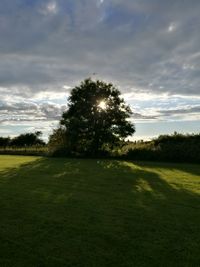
{"x": 149, "y": 49}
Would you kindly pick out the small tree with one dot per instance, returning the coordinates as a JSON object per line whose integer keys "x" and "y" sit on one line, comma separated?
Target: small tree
{"x": 97, "y": 117}
{"x": 57, "y": 142}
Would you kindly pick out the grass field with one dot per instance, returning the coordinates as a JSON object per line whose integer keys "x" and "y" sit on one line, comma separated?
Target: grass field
{"x": 62, "y": 212}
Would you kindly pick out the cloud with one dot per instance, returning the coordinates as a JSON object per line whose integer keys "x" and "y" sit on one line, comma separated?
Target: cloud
{"x": 132, "y": 43}
{"x": 172, "y": 27}
{"x": 49, "y": 8}
{"x": 138, "y": 116}
{"x": 30, "y": 111}
{"x": 181, "y": 111}
{"x": 147, "y": 48}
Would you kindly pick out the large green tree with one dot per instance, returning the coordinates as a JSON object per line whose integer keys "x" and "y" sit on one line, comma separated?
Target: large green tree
{"x": 97, "y": 117}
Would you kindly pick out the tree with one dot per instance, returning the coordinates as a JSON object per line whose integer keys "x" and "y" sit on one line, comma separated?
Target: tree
{"x": 27, "y": 139}
{"x": 97, "y": 117}
{"x": 57, "y": 142}
{"x": 4, "y": 141}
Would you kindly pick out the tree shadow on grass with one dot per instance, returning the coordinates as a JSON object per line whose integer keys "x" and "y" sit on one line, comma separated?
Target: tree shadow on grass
{"x": 68, "y": 212}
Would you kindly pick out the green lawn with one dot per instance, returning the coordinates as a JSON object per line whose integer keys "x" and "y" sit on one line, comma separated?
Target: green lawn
{"x": 71, "y": 212}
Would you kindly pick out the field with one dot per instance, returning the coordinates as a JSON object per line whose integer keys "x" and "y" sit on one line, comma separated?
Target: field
{"x": 75, "y": 212}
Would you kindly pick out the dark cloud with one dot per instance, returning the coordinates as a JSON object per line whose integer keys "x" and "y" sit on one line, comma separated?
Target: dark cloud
{"x": 144, "y": 45}
{"x": 27, "y": 111}
{"x": 181, "y": 111}
{"x": 138, "y": 116}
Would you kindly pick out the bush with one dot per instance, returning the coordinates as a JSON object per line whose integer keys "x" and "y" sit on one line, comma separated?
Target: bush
{"x": 176, "y": 147}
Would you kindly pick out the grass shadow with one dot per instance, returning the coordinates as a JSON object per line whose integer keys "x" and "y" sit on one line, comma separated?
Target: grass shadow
{"x": 71, "y": 212}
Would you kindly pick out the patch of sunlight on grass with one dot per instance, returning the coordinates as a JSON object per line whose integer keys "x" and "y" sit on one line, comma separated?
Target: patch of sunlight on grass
{"x": 9, "y": 162}
{"x": 60, "y": 174}
{"x": 131, "y": 165}
{"x": 177, "y": 179}
{"x": 107, "y": 164}
{"x": 143, "y": 186}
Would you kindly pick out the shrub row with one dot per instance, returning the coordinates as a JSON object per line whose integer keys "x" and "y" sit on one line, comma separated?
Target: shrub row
{"x": 177, "y": 147}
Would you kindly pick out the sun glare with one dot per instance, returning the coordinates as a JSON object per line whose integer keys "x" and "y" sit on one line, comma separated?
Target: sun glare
{"x": 102, "y": 105}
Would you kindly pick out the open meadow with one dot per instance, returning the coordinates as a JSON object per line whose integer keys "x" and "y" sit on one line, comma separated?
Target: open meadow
{"x": 81, "y": 212}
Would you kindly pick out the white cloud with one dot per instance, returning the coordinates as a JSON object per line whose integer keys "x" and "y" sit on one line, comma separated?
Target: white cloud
{"x": 172, "y": 27}
{"x": 100, "y": 2}
{"x": 49, "y": 96}
{"x": 49, "y": 8}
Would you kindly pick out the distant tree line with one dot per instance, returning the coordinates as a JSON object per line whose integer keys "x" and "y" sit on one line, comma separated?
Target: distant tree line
{"x": 97, "y": 123}
{"x": 174, "y": 148}
{"x": 22, "y": 140}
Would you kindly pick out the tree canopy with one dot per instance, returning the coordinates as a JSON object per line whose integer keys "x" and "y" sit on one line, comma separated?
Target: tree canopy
{"x": 27, "y": 139}
{"x": 4, "y": 141}
{"x": 97, "y": 117}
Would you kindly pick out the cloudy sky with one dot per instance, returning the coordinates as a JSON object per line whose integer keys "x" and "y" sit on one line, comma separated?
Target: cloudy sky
{"x": 149, "y": 49}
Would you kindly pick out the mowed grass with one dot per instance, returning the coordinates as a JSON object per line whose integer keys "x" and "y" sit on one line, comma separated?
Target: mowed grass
{"x": 75, "y": 212}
